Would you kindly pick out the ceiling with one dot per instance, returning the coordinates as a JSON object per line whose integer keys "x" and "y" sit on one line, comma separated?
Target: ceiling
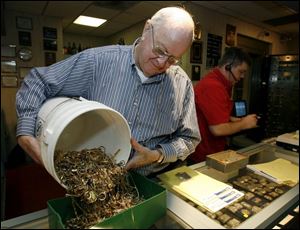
{"x": 277, "y": 16}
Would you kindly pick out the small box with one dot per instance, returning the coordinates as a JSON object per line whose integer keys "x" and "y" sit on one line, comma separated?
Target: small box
{"x": 220, "y": 176}
{"x": 226, "y": 161}
{"x": 142, "y": 215}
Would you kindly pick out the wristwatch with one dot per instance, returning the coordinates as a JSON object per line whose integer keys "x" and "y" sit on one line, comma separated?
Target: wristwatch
{"x": 161, "y": 157}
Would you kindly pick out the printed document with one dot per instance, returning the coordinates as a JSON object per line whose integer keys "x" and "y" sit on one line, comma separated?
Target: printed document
{"x": 203, "y": 190}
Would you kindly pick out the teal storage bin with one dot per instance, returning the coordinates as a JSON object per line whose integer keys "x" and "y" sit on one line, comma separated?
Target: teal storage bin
{"x": 140, "y": 216}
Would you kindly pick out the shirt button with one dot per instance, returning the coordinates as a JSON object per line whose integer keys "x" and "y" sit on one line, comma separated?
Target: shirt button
{"x": 135, "y": 103}
{"x": 129, "y": 122}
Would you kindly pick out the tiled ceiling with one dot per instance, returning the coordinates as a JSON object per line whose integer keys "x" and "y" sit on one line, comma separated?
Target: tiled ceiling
{"x": 278, "y": 16}
{"x": 123, "y": 14}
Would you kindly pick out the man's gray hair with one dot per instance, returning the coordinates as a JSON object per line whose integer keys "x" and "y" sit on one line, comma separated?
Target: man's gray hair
{"x": 173, "y": 16}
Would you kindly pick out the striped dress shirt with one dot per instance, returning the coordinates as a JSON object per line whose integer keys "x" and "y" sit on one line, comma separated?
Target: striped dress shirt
{"x": 160, "y": 111}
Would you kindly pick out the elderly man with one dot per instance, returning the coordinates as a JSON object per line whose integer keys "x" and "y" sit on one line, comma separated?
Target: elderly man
{"x": 141, "y": 81}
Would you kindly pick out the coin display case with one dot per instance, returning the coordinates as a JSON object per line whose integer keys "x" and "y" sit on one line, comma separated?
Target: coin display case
{"x": 262, "y": 205}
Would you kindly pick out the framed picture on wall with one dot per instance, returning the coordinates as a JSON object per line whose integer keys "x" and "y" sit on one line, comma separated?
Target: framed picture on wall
{"x": 24, "y": 23}
{"x": 24, "y": 38}
{"x": 9, "y": 81}
{"x": 196, "y": 52}
{"x": 50, "y": 45}
{"x": 8, "y": 66}
{"x": 214, "y": 50}
{"x": 49, "y": 32}
{"x": 230, "y": 35}
{"x": 8, "y": 50}
{"x": 196, "y": 72}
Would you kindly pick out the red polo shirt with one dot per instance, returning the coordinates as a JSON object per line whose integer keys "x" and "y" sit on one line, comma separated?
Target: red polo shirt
{"x": 213, "y": 106}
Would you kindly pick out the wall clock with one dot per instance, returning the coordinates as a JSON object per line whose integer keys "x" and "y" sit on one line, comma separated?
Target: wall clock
{"x": 25, "y": 54}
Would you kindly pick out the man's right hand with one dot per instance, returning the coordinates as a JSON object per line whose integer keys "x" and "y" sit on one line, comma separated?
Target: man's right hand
{"x": 32, "y": 147}
{"x": 250, "y": 121}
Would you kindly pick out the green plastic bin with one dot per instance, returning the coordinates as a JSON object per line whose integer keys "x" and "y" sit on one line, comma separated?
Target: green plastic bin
{"x": 143, "y": 215}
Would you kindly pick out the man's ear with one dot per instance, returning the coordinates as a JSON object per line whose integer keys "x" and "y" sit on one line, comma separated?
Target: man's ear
{"x": 147, "y": 26}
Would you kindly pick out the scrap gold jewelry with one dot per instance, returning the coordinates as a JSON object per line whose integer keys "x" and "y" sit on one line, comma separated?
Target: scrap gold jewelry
{"x": 98, "y": 186}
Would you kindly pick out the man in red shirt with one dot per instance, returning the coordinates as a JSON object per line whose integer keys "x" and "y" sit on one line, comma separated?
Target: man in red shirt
{"x": 214, "y": 104}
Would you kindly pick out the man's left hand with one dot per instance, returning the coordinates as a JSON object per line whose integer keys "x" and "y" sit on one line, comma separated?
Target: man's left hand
{"x": 142, "y": 156}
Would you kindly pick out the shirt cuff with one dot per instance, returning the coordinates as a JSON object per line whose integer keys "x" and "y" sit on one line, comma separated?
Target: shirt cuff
{"x": 26, "y": 126}
{"x": 174, "y": 151}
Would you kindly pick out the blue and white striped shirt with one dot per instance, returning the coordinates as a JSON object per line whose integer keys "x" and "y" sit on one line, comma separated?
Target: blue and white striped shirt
{"x": 160, "y": 111}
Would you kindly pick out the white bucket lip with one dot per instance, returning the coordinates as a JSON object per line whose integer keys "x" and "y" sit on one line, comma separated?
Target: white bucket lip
{"x": 99, "y": 106}
{"x": 92, "y": 109}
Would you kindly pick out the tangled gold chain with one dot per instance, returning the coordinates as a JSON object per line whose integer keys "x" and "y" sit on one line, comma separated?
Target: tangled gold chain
{"x": 98, "y": 186}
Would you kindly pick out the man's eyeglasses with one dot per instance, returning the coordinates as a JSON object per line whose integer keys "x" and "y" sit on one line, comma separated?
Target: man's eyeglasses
{"x": 161, "y": 53}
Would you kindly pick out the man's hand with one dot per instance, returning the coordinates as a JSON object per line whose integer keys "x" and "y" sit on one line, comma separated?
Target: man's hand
{"x": 31, "y": 146}
{"x": 143, "y": 156}
{"x": 250, "y": 121}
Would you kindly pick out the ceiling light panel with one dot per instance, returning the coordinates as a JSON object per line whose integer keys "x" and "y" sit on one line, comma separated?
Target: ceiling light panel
{"x": 89, "y": 21}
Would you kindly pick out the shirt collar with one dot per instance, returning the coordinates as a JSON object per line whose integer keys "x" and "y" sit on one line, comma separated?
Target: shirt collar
{"x": 132, "y": 60}
{"x": 157, "y": 78}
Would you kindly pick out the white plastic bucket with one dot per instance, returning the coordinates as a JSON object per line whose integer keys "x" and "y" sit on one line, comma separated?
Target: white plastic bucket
{"x": 75, "y": 124}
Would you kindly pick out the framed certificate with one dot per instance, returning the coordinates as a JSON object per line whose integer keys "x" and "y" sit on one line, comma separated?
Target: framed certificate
{"x": 8, "y": 66}
{"x": 24, "y": 23}
{"x": 9, "y": 81}
{"x": 49, "y": 32}
{"x": 24, "y": 38}
{"x": 196, "y": 52}
{"x": 196, "y": 72}
{"x": 50, "y": 44}
{"x": 8, "y": 50}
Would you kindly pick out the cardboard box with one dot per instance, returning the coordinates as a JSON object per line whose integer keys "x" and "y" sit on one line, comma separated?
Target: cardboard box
{"x": 226, "y": 161}
{"x": 142, "y": 215}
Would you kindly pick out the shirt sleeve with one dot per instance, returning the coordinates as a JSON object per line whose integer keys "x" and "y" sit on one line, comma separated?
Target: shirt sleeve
{"x": 187, "y": 136}
{"x": 69, "y": 77}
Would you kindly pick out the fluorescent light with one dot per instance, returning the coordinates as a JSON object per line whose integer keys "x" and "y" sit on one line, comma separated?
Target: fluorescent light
{"x": 89, "y": 21}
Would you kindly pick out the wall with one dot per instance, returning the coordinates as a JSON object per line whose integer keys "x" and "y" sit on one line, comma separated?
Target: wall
{"x": 129, "y": 35}
{"x": 11, "y": 38}
{"x": 85, "y": 41}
